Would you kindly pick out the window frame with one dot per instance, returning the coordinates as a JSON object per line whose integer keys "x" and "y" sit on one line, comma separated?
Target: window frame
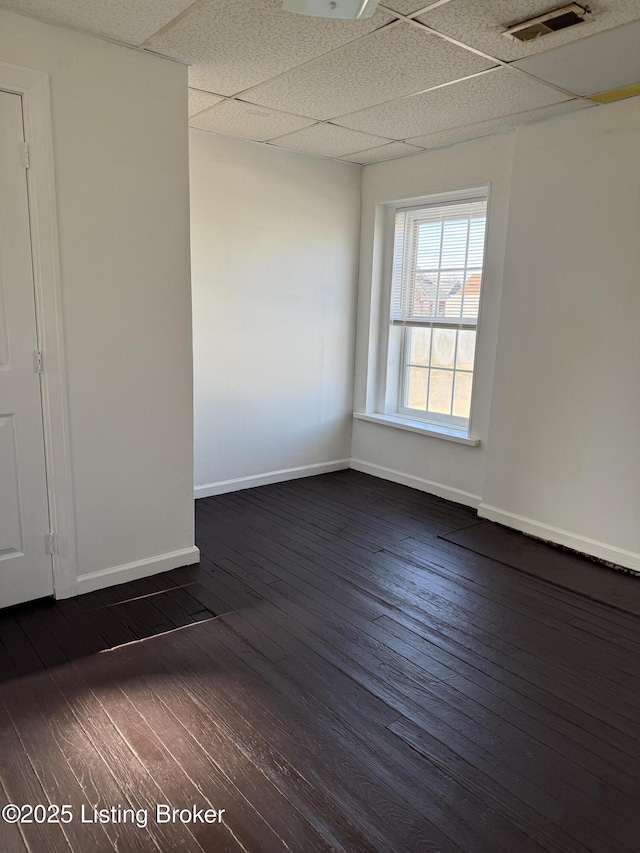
{"x": 435, "y": 418}
{"x": 392, "y": 352}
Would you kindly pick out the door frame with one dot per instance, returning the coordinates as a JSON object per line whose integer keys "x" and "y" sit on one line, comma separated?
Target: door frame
{"x": 34, "y": 88}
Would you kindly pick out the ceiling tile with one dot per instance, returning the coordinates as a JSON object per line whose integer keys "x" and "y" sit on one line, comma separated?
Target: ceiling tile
{"x": 496, "y": 93}
{"x": 605, "y": 61}
{"x": 383, "y": 152}
{"x": 405, "y": 7}
{"x": 329, "y": 140}
{"x": 496, "y": 125}
{"x": 372, "y": 70}
{"x": 479, "y": 23}
{"x": 238, "y": 118}
{"x": 130, "y": 21}
{"x": 199, "y": 101}
{"x": 235, "y": 44}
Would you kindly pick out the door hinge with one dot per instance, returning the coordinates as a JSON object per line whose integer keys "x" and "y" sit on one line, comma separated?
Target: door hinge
{"x": 38, "y": 361}
{"x": 50, "y": 543}
{"x": 26, "y": 160}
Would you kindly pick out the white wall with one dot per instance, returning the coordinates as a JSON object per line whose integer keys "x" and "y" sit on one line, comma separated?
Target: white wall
{"x": 451, "y": 470}
{"x": 564, "y": 448}
{"x": 121, "y": 170}
{"x": 274, "y": 248}
{"x": 558, "y": 418}
{"x": 274, "y": 313}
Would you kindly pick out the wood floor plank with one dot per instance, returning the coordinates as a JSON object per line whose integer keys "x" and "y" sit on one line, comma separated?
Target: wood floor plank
{"x": 346, "y": 597}
{"x": 444, "y": 587}
{"x": 440, "y": 677}
{"x": 112, "y": 629}
{"x": 260, "y": 725}
{"x": 433, "y": 785}
{"x": 348, "y": 662}
{"x": 341, "y": 675}
{"x": 171, "y": 755}
{"x": 565, "y": 569}
{"x": 392, "y": 683}
{"x": 22, "y": 787}
{"x": 18, "y": 655}
{"x": 355, "y": 762}
{"x": 52, "y": 745}
{"x": 140, "y": 789}
{"x": 563, "y": 735}
{"x": 621, "y": 698}
{"x": 11, "y": 837}
{"x": 242, "y": 761}
{"x": 453, "y": 562}
{"x": 294, "y": 531}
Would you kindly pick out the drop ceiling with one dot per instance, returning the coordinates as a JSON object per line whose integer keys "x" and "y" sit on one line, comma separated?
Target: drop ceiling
{"x": 417, "y": 75}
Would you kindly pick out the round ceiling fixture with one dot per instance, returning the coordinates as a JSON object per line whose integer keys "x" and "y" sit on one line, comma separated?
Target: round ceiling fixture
{"x": 353, "y": 10}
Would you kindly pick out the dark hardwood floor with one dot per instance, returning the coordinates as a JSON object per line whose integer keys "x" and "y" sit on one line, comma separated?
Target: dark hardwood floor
{"x": 353, "y": 666}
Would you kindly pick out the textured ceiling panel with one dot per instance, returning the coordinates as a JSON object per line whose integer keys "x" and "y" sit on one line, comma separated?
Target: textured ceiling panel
{"x": 605, "y": 61}
{"x": 496, "y": 125}
{"x": 130, "y": 21}
{"x": 235, "y": 44}
{"x": 496, "y": 93}
{"x": 383, "y": 152}
{"x": 199, "y": 101}
{"x": 395, "y": 61}
{"x": 329, "y": 140}
{"x": 237, "y": 118}
{"x": 479, "y": 23}
{"x": 406, "y": 7}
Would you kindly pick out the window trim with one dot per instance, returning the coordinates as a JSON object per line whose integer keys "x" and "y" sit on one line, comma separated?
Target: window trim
{"x": 390, "y": 371}
{"x": 421, "y": 427}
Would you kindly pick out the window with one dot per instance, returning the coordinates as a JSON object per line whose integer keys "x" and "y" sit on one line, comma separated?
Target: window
{"x": 438, "y": 254}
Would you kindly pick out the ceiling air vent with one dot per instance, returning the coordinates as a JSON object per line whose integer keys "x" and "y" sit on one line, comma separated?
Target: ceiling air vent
{"x": 559, "y": 19}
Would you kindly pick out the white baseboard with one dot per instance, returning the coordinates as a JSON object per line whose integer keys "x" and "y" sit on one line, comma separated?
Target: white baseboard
{"x": 224, "y": 486}
{"x": 592, "y": 547}
{"x": 138, "y": 569}
{"x": 439, "y": 489}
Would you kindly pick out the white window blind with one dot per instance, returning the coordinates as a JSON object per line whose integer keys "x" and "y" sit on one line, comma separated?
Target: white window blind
{"x": 437, "y": 264}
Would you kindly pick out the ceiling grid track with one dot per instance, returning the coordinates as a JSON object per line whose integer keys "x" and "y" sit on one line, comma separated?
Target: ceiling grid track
{"x": 319, "y": 87}
{"x": 410, "y": 20}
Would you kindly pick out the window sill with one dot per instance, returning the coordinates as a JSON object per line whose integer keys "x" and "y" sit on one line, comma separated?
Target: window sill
{"x": 433, "y": 430}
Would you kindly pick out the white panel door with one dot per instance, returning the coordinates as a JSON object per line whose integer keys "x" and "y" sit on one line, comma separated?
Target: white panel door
{"x": 25, "y": 565}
